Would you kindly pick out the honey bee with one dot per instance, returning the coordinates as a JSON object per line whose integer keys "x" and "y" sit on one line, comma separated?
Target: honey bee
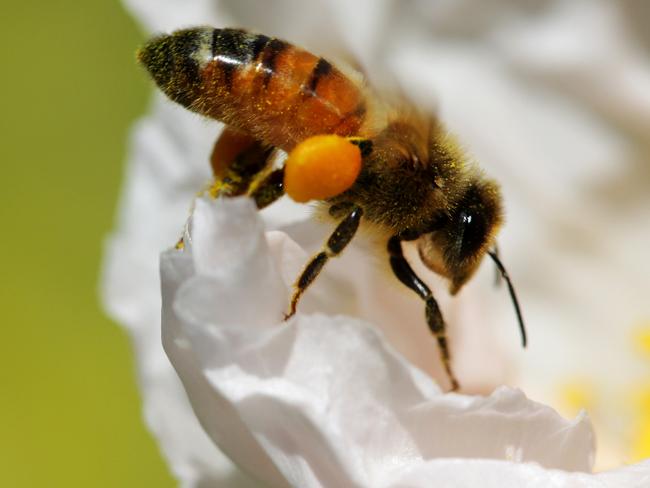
{"x": 364, "y": 158}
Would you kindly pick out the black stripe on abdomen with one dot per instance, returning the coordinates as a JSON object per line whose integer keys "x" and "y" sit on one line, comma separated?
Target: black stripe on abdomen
{"x": 231, "y": 49}
{"x": 259, "y": 43}
{"x": 322, "y": 68}
{"x": 273, "y": 48}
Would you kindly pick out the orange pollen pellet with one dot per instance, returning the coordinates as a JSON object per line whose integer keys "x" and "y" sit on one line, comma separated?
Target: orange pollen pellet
{"x": 321, "y": 167}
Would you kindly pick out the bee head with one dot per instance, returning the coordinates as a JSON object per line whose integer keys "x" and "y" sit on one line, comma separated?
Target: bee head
{"x": 459, "y": 240}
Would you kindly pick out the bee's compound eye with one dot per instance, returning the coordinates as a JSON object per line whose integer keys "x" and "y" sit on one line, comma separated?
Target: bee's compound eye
{"x": 473, "y": 230}
{"x": 321, "y": 167}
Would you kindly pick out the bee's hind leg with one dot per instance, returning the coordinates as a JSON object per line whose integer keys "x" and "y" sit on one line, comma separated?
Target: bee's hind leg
{"x": 239, "y": 163}
{"x": 337, "y": 241}
{"x": 237, "y": 160}
{"x": 406, "y": 275}
{"x": 269, "y": 189}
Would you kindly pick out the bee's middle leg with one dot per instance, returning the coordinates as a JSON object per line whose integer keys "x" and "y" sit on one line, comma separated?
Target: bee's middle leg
{"x": 335, "y": 244}
{"x": 403, "y": 271}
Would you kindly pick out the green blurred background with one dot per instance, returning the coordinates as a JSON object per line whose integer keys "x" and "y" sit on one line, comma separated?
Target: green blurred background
{"x": 69, "y": 405}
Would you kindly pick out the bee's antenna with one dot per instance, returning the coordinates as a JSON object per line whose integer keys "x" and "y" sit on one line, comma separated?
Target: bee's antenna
{"x": 497, "y": 274}
{"x": 513, "y": 295}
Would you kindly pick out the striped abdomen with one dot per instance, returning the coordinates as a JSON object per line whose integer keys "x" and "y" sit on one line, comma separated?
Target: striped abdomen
{"x": 269, "y": 88}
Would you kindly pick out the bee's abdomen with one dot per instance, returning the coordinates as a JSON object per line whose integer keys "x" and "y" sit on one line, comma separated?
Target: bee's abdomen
{"x": 277, "y": 92}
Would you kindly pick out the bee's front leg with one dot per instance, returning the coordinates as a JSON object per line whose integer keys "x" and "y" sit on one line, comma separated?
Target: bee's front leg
{"x": 403, "y": 271}
{"x": 340, "y": 238}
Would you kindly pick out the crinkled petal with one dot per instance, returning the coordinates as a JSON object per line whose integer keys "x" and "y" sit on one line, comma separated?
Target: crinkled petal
{"x": 471, "y": 473}
{"x": 320, "y": 400}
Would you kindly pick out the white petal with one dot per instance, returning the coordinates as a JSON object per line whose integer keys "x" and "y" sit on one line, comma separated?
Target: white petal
{"x": 323, "y": 401}
{"x": 463, "y": 473}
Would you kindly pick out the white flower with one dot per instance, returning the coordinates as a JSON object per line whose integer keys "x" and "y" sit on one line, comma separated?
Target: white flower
{"x": 551, "y": 101}
{"x": 322, "y": 400}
